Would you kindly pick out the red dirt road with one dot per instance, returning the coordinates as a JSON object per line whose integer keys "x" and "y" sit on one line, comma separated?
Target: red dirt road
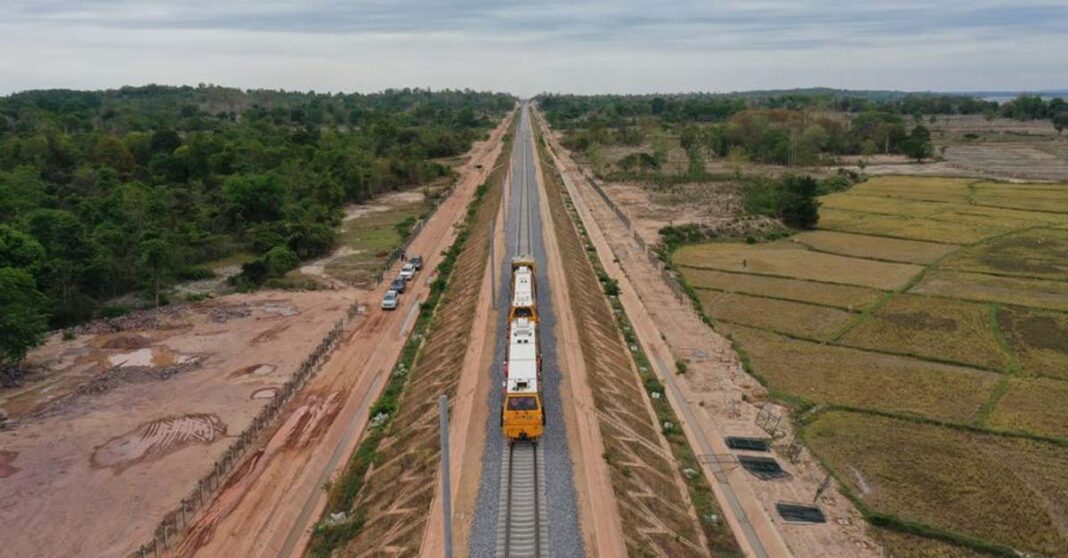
{"x": 268, "y": 507}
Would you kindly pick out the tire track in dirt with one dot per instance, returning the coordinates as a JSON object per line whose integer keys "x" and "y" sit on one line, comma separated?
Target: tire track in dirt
{"x": 156, "y": 439}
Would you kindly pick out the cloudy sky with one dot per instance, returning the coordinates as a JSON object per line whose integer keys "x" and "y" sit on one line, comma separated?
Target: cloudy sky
{"x": 527, "y": 47}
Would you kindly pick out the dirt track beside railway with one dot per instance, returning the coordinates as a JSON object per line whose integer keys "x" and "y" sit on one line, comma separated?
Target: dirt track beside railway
{"x": 655, "y": 511}
{"x": 669, "y": 330}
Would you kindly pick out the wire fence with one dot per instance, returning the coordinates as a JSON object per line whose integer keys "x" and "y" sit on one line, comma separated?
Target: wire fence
{"x": 176, "y": 522}
{"x": 669, "y": 278}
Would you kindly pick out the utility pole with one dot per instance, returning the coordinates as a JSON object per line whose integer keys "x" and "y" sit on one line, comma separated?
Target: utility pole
{"x": 446, "y": 492}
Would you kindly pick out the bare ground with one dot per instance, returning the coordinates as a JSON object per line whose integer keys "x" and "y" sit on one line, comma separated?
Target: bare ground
{"x": 115, "y": 427}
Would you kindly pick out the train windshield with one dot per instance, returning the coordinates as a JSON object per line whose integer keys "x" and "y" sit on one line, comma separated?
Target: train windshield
{"x": 523, "y": 403}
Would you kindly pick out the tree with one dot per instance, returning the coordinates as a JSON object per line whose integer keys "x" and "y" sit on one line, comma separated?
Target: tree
{"x": 157, "y": 259}
{"x": 918, "y": 144}
{"x": 279, "y": 260}
{"x": 1060, "y": 121}
{"x": 800, "y": 208}
{"x": 112, "y": 152}
{"x": 23, "y": 315}
{"x": 19, "y": 250}
{"x": 254, "y": 198}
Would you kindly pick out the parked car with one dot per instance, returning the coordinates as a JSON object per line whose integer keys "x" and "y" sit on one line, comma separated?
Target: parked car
{"x": 391, "y": 300}
{"x": 407, "y": 272}
{"x": 398, "y": 285}
{"x": 416, "y": 261}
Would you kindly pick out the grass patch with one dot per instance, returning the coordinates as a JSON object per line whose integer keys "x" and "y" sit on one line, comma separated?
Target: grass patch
{"x": 795, "y": 318}
{"x": 991, "y": 288}
{"x": 875, "y": 247}
{"x": 935, "y": 328}
{"x": 367, "y": 240}
{"x": 821, "y": 373}
{"x": 985, "y": 487}
{"x": 790, "y": 259}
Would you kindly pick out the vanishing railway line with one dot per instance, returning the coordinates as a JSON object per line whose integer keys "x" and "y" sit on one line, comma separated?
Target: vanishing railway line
{"x": 522, "y": 527}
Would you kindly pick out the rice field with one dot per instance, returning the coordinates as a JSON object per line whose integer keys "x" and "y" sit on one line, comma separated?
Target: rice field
{"x": 795, "y": 318}
{"x": 874, "y": 247}
{"x": 829, "y": 374}
{"x": 1041, "y": 253}
{"x": 1038, "y": 405}
{"x": 905, "y": 545}
{"x": 990, "y": 487}
{"x": 921, "y": 313}
{"x": 846, "y": 297}
{"x": 908, "y": 187}
{"x": 992, "y": 288}
{"x": 935, "y": 328}
{"x": 1039, "y": 340}
{"x": 790, "y": 259}
{"x": 908, "y": 228}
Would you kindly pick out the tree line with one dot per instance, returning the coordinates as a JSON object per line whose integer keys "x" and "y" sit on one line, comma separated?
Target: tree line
{"x": 107, "y": 192}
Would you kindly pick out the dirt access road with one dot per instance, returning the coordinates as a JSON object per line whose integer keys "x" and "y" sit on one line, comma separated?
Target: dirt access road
{"x": 715, "y": 398}
{"x": 268, "y": 507}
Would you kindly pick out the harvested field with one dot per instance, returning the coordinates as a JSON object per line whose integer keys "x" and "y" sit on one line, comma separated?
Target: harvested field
{"x": 1019, "y": 160}
{"x": 1041, "y": 253}
{"x": 904, "y": 545}
{"x": 868, "y": 203}
{"x": 788, "y": 259}
{"x": 1039, "y": 339}
{"x": 829, "y": 374}
{"x": 841, "y": 296}
{"x": 916, "y": 188}
{"x": 992, "y": 288}
{"x": 1035, "y": 405}
{"x": 1039, "y": 197}
{"x": 936, "y": 328}
{"x": 989, "y": 487}
{"x": 875, "y": 247}
{"x": 908, "y": 228}
{"x": 795, "y": 318}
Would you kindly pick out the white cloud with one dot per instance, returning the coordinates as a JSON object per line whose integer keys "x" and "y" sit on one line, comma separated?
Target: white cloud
{"x": 528, "y": 47}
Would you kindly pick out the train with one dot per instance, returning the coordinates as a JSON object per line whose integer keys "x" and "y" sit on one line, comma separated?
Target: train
{"x": 522, "y": 413}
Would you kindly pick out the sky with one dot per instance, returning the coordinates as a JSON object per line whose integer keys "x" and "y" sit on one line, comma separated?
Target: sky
{"x": 528, "y": 47}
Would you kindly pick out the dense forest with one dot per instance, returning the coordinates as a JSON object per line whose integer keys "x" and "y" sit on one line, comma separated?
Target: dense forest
{"x": 108, "y": 192}
{"x": 786, "y": 129}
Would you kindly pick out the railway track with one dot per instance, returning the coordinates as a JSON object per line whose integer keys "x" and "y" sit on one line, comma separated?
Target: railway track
{"x": 522, "y": 162}
{"x": 523, "y": 524}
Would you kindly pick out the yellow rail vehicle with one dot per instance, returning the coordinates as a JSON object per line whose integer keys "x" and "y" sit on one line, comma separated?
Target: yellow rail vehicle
{"x": 522, "y": 417}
